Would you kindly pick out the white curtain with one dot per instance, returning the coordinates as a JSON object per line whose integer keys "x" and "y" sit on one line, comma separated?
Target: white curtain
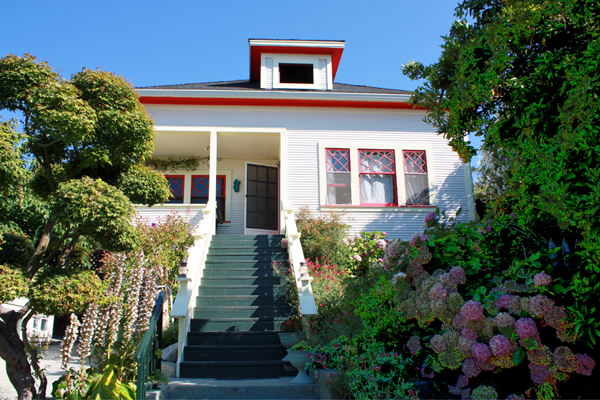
{"x": 417, "y": 189}
{"x": 338, "y": 188}
{"x": 377, "y": 189}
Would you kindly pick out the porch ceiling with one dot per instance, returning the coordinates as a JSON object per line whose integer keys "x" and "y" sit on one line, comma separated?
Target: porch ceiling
{"x": 229, "y": 144}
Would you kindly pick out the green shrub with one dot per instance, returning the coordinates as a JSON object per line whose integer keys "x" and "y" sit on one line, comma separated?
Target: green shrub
{"x": 324, "y": 235}
{"x": 170, "y": 335}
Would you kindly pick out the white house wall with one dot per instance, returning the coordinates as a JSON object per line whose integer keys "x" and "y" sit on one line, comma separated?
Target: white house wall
{"x": 305, "y": 127}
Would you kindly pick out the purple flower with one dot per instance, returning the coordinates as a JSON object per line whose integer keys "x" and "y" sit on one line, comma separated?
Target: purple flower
{"x": 539, "y": 373}
{"x": 431, "y": 216}
{"x": 470, "y": 368}
{"x": 357, "y": 257}
{"x": 504, "y": 320}
{"x": 472, "y": 310}
{"x": 438, "y": 292}
{"x": 542, "y": 279}
{"x": 503, "y": 301}
{"x": 413, "y": 344}
{"x": 481, "y": 352}
{"x": 384, "y": 234}
{"x": 380, "y": 244}
{"x": 586, "y": 364}
{"x": 501, "y": 346}
{"x": 420, "y": 238}
{"x": 468, "y": 333}
{"x": 153, "y": 224}
{"x": 437, "y": 344}
{"x": 458, "y": 274}
{"x": 488, "y": 227}
{"x": 526, "y": 328}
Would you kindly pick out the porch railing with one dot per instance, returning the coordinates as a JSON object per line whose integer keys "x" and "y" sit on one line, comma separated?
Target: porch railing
{"x": 183, "y": 307}
{"x": 147, "y": 355}
{"x": 297, "y": 262}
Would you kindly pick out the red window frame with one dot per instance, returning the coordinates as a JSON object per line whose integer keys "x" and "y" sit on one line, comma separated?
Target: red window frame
{"x": 334, "y": 167}
{"x": 361, "y": 171}
{"x": 177, "y": 192}
{"x": 408, "y": 170}
{"x": 221, "y": 189}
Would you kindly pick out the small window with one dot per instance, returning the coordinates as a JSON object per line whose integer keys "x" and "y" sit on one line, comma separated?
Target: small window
{"x": 415, "y": 175}
{"x": 377, "y": 172}
{"x": 176, "y": 183}
{"x": 296, "y": 73}
{"x": 338, "y": 176}
{"x": 200, "y": 190}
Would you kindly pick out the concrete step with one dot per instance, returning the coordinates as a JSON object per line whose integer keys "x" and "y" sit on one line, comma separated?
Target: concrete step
{"x": 234, "y": 338}
{"x": 240, "y": 301}
{"x": 213, "y": 251}
{"x": 273, "y": 352}
{"x": 222, "y": 263}
{"x": 235, "y": 257}
{"x": 234, "y": 290}
{"x": 225, "y": 272}
{"x": 236, "y": 244}
{"x": 236, "y": 324}
{"x": 241, "y": 281}
{"x": 260, "y": 238}
{"x": 241, "y": 312}
{"x": 236, "y": 369}
{"x": 255, "y": 389}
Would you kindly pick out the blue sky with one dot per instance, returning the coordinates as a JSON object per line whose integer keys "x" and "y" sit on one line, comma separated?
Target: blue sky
{"x": 169, "y": 42}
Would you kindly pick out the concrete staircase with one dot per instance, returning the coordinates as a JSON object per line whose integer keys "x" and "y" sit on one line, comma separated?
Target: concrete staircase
{"x": 233, "y": 345}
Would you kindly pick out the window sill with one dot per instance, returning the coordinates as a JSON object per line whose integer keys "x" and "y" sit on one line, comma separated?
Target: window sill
{"x": 391, "y": 209}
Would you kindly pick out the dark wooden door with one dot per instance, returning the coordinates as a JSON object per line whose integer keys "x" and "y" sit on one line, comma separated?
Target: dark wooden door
{"x": 262, "y": 203}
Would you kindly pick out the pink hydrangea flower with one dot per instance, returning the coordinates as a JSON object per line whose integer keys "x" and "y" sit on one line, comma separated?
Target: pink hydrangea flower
{"x": 437, "y": 292}
{"x": 437, "y": 344}
{"x": 470, "y": 368}
{"x": 414, "y": 344}
{"x": 468, "y": 333}
{"x": 526, "y": 328}
{"x": 472, "y": 310}
{"x": 431, "y": 216}
{"x": 357, "y": 258}
{"x": 586, "y": 364}
{"x": 481, "y": 352}
{"x": 418, "y": 236}
{"x": 503, "y": 301}
{"x": 380, "y": 244}
{"x": 542, "y": 279}
{"x": 504, "y": 320}
{"x": 458, "y": 274}
{"x": 539, "y": 373}
{"x": 501, "y": 346}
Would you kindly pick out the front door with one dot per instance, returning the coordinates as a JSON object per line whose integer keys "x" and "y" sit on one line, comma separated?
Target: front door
{"x": 262, "y": 203}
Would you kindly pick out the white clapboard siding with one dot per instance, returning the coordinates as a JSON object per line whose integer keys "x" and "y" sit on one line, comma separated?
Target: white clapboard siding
{"x": 322, "y": 79}
{"x": 306, "y": 127}
{"x": 154, "y": 214}
{"x": 268, "y": 73}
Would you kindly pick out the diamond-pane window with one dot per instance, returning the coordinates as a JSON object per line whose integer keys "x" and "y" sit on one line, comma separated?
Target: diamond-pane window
{"x": 376, "y": 162}
{"x": 176, "y": 184}
{"x": 377, "y": 173}
{"x": 415, "y": 177}
{"x": 200, "y": 190}
{"x": 338, "y": 176}
{"x": 338, "y": 160}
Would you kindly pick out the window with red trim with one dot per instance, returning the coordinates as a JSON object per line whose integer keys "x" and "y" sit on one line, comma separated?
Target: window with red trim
{"x": 415, "y": 176}
{"x": 338, "y": 176}
{"x": 200, "y": 190}
{"x": 176, "y": 184}
{"x": 377, "y": 173}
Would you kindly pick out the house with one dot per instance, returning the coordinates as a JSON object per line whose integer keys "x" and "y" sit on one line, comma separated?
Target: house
{"x": 291, "y": 133}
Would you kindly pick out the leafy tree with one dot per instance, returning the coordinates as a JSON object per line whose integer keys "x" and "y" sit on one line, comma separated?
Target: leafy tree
{"x": 70, "y": 179}
{"x": 525, "y": 75}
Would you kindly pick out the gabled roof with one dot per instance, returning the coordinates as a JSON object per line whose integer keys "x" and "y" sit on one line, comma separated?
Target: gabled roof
{"x": 248, "y": 85}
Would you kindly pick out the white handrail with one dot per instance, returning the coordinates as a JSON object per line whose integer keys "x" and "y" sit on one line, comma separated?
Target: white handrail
{"x": 183, "y": 307}
{"x": 302, "y": 278}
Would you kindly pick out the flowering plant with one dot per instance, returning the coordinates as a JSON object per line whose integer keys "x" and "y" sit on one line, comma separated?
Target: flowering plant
{"x": 292, "y": 324}
{"x": 367, "y": 250}
{"x": 302, "y": 346}
{"x": 329, "y": 356}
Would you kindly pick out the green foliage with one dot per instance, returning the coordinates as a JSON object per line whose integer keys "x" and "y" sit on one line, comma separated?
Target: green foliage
{"x": 13, "y": 283}
{"x": 323, "y": 235}
{"x": 143, "y": 186}
{"x": 95, "y": 208}
{"x": 65, "y": 291}
{"x": 11, "y": 163}
{"x": 171, "y": 334}
{"x": 525, "y": 76}
{"x": 15, "y": 250}
{"x": 176, "y": 164}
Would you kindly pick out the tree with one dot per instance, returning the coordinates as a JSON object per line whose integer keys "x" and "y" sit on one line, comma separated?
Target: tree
{"x": 71, "y": 177}
{"x": 525, "y": 75}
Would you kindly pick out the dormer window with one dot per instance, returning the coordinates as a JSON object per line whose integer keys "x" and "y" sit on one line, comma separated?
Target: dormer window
{"x": 294, "y": 64}
{"x": 296, "y": 73}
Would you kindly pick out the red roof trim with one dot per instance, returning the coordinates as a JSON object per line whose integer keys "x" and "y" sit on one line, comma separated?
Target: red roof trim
{"x": 203, "y": 101}
{"x": 256, "y": 51}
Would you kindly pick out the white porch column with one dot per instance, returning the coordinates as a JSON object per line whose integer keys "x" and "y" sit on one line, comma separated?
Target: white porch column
{"x": 212, "y": 171}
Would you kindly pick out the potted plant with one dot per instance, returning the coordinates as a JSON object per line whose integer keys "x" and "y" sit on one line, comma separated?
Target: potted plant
{"x": 298, "y": 357}
{"x": 291, "y": 332}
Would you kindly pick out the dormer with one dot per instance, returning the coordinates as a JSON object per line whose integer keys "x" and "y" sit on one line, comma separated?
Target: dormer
{"x": 294, "y": 64}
